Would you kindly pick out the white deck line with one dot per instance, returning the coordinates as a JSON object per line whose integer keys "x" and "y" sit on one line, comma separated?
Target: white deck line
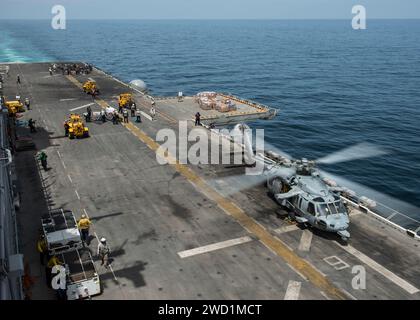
{"x": 214, "y": 247}
{"x": 293, "y": 290}
{"x": 286, "y": 229}
{"x": 380, "y": 269}
{"x": 144, "y": 114}
{"x": 81, "y": 107}
{"x": 305, "y": 241}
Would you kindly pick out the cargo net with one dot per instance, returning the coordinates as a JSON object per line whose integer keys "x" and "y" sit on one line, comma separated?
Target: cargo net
{"x": 212, "y": 101}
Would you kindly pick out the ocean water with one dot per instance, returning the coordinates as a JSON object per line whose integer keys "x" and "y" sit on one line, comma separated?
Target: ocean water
{"x": 334, "y": 86}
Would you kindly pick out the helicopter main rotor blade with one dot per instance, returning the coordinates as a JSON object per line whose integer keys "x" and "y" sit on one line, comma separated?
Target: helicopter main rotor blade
{"x": 356, "y": 152}
{"x": 237, "y": 183}
{"x": 387, "y": 201}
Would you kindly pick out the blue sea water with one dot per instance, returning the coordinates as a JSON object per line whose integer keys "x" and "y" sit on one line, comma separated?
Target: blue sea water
{"x": 334, "y": 86}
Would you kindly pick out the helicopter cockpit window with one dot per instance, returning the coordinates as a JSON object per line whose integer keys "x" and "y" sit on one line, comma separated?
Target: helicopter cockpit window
{"x": 311, "y": 208}
{"x": 340, "y": 207}
{"x": 319, "y": 199}
{"x": 332, "y": 208}
{"x": 323, "y": 210}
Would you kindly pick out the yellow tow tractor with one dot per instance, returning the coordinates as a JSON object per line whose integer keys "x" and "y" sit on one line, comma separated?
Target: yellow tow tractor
{"x": 125, "y": 100}
{"x": 90, "y": 87}
{"x": 14, "y": 107}
{"x": 75, "y": 127}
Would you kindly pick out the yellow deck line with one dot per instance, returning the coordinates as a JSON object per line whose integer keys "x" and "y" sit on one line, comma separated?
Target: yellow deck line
{"x": 248, "y": 223}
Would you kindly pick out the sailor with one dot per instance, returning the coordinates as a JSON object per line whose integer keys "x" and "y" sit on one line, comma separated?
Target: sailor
{"x": 153, "y": 112}
{"x": 103, "y": 116}
{"x": 198, "y": 119}
{"x": 18, "y": 79}
{"x": 115, "y": 117}
{"x": 41, "y": 246}
{"x": 120, "y": 108}
{"x": 43, "y": 158}
{"x": 125, "y": 115}
{"x": 180, "y": 94}
{"x": 103, "y": 252}
{"x": 66, "y": 128}
{"x": 83, "y": 224}
{"x": 27, "y": 104}
{"x": 133, "y": 109}
{"x": 138, "y": 116}
{"x": 50, "y": 71}
{"x": 89, "y": 114}
{"x": 54, "y": 261}
{"x": 31, "y": 124}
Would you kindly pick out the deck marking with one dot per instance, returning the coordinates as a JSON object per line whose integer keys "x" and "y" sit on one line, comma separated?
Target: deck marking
{"x": 77, "y": 194}
{"x": 305, "y": 241}
{"x": 286, "y": 229}
{"x": 337, "y": 263}
{"x": 350, "y": 295}
{"x": 70, "y": 99}
{"x": 71, "y": 181}
{"x": 214, "y": 247}
{"x": 293, "y": 290}
{"x": 380, "y": 269}
{"x": 63, "y": 164}
{"x": 59, "y": 154}
{"x": 146, "y": 115}
{"x": 84, "y": 106}
{"x": 324, "y": 295}
{"x": 231, "y": 209}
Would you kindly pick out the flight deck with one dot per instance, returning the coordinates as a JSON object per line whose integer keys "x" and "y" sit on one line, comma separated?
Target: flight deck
{"x": 173, "y": 235}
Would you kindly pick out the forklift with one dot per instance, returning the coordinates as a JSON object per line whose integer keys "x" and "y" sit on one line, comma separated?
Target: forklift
{"x": 90, "y": 87}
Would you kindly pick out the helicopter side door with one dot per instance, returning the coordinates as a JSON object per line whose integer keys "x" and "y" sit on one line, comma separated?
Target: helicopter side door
{"x": 307, "y": 209}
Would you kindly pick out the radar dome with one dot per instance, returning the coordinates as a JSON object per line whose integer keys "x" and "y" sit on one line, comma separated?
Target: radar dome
{"x": 139, "y": 84}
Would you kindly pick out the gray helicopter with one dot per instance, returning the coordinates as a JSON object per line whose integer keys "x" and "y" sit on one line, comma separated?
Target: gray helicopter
{"x": 311, "y": 198}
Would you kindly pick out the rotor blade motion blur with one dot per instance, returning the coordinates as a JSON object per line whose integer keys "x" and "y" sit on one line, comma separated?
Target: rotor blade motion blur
{"x": 356, "y": 152}
{"x": 381, "y": 198}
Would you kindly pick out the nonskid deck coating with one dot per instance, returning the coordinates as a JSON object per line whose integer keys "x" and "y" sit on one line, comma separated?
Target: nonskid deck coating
{"x": 149, "y": 213}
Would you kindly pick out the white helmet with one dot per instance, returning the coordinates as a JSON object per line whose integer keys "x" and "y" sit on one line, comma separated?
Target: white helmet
{"x": 103, "y": 239}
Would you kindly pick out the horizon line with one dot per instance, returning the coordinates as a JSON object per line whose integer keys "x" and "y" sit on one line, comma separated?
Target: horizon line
{"x": 203, "y": 19}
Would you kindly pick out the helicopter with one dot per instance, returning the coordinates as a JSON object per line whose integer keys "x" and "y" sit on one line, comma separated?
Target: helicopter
{"x": 309, "y": 195}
